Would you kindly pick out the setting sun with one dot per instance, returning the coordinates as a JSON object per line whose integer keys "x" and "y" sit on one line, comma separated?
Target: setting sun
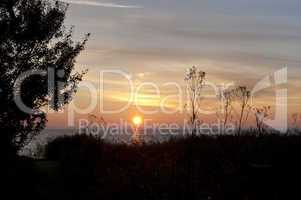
{"x": 137, "y": 120}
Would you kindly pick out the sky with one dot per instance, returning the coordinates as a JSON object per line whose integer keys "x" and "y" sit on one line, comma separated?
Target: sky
{"x": 233, "y": 41}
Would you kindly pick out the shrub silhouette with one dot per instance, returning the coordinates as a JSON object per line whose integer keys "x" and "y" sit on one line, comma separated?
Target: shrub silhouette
{"x": 197, "y": 167}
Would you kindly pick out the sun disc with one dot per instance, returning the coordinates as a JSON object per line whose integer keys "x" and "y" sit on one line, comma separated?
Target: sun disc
{"x": 137, "y": 120}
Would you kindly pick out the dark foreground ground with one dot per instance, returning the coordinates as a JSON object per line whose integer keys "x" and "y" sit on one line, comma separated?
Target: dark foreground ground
{"x": 224, "y": 167}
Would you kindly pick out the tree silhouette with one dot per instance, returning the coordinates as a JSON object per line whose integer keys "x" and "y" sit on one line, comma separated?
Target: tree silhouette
{"x": 243, "y": 96}
{"x": 226, "y": 97}
{"x": 261, "y": 113}
{"x": 195, "y": 80}
{"x": 37, "y": 57}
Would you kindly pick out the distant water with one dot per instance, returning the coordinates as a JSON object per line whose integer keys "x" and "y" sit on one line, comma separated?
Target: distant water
{"x": 129, "y": 136}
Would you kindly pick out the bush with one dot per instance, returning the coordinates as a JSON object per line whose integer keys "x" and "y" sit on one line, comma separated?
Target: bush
{"x": 198, "y": 167}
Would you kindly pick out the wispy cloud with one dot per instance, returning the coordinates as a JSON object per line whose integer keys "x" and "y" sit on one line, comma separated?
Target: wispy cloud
{"x": 94, "y": 3}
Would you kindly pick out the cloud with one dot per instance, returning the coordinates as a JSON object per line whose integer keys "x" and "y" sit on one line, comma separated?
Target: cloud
{"x": 94, "y": 3}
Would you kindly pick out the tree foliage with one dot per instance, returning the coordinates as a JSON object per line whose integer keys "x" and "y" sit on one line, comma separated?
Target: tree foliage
{"x": 34, "y": 39}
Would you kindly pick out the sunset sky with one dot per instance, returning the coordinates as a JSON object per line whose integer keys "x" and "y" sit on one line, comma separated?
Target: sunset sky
{"x": 237, "y": 41}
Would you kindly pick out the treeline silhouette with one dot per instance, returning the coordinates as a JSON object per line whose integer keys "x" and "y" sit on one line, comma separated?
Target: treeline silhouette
{"x": 195, "y": 167}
